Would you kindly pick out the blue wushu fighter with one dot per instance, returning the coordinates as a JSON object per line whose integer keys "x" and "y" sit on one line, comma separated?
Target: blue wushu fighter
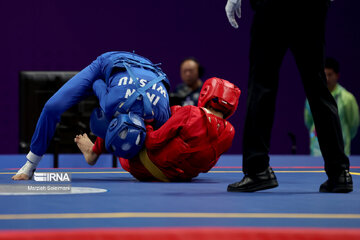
{"x": 131, "y": 90}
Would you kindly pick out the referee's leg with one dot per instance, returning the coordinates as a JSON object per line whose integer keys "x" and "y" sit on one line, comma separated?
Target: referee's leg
{"x": 308, "y": 45}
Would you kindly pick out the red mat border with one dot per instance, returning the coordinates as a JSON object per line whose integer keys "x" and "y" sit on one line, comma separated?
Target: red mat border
{"x": 186, "y": 233}
{"x": 216, "y": 167}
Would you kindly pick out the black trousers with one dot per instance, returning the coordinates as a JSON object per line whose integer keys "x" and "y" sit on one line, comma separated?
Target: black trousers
{"x": 298, "y": 25}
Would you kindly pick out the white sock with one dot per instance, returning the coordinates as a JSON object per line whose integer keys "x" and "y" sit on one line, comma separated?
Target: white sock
{"x": 33, "y": 158}
{"x": 30, "y": 165}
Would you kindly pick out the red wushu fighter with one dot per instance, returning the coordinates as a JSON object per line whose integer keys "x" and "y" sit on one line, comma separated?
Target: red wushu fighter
{"x": 189, "y": 143}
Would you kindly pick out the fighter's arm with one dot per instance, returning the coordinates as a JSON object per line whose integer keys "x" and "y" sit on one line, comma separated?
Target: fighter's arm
{"x": 174, "y": 109}
{"x": 95, "y": 73}
{"x": 100, "y": 90}
{"x": 222, "y": 145}
{"x": 99, "y": 146}
{"x": 157, "y": 139}
{"x": 226, "y": 143}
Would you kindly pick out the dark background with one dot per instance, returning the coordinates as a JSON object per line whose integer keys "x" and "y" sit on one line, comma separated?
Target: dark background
{"x": 67, "y": 35}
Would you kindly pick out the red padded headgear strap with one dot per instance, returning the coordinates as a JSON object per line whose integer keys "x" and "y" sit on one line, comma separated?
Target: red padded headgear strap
{"x": 222, "y": 95}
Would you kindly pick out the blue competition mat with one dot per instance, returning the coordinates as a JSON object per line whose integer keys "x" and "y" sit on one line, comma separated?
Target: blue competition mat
{"x": 202, "y": 202}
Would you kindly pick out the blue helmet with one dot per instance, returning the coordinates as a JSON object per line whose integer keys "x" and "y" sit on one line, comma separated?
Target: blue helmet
{"x": 125, "y": 135}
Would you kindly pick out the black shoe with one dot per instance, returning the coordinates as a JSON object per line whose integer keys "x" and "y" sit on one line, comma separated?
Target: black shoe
{"x": 256, "y": 182}
{"x": 341, "y": 184}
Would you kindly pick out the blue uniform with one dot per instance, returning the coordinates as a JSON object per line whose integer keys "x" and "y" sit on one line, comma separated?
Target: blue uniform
{"x": 109, "y": 80}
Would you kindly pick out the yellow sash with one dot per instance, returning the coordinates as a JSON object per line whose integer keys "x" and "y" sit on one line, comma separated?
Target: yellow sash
{"x": 151, "y": 167}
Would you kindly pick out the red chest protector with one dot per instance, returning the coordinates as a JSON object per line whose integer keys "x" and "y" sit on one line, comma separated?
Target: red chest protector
{"x": 186, "y": 159}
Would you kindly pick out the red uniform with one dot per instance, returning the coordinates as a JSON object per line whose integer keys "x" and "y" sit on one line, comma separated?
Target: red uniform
{"x": 189, "y": 143}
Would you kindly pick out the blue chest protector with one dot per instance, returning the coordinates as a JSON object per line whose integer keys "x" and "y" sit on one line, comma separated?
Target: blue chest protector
{"x": 134, "y": 86}
{"x": 130, "y": 81}
{"x": 132, "y": 66}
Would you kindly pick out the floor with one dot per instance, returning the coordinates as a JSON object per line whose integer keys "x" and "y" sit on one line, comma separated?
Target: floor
{"x": 123, "y": 203}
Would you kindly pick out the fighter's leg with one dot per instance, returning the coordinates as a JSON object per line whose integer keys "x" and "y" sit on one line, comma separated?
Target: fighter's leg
{"x": 72, "y": 92}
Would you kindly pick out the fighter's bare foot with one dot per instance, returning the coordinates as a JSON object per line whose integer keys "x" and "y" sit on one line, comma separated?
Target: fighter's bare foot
{"x": 26, "y": 172}
{"x": 85, "y": 145}
{"x": 21, "y": 176}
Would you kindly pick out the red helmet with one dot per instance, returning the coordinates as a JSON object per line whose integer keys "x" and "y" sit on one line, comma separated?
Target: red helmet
{"x": 221, "y": 95}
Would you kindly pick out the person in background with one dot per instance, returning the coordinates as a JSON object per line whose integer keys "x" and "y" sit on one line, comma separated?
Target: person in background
{"x": 347, "y": 107}
{"x": 187, "y": 92}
